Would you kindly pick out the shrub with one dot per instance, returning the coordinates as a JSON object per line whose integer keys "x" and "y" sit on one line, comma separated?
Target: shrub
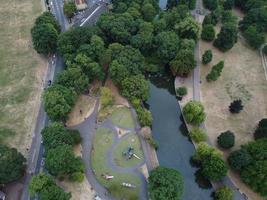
{"x": 208, "y": 32}
{"x": 144, "y": 116}
{"x": 194, "y": 113}
{"x": 207, "y": 57}
{"x": 210, "y": 19}
{"x": 181, "y": 91}
{"x": 226, "y": 140}
{"x": 215, "y": 72}
{"x": 236, "y": 106}
{"x": 239, "y": 159}
{"x": 213, "y": 168}
{"x": 224, "y": 193}
{"x": 77, "y": 177}
{"x": 254, "y": 37}
{"x": 265, "y": 49}
{"x": 204, "y": 150}
{"x": 198, "y": 135}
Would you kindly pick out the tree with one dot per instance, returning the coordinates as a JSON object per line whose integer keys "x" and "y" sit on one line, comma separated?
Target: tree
{"x": 118, "y": 72}
{"x": 144, "y": 116}
{"x": 47, "y": 18}
{"x": 215, "y": 72}
{"x": 236, "y": 106}
{"x": 45, "y": 186}
{"x": 135, "y": 87}
{"x": 171, "y": 4}
{"x": 257, "y": 149}
{"x": 56, "y": 135}
{"x": 239, "y": 159}
{"x": 224, "y": 193}
{"x": 265, "y": 49}
{"x": 210, "y": 4}
{"x": 210, "y": 18}
{"x": 188, "y": 28}
{"x": 183, "y": 63}
{"x": 12, "y": 164}
{"x": 69, "y": 9}
{"x": 254, "y": 37}
{"x": 255, "y": 176}
{"x": 204, "y": 151}
{"x": 261, "y": 131}
{"x": 228, "y": 4}
{"x": 149, "y": 12}
{"x": 167, "y": 44}
{"x": 207, "y": 57}
{"x": 58, "y": 101}
{"x": 165, "y": 183}
{"x": 213, "y": 168}
{"x": 198, "y": 135}
{"x": 226, "y": 38}
{"x": 107, "y": 98}
{"x": 44, "y": 38}
{"x": 194, "y": 113}
{"x": 208, "y": 32}
{"x": 73, "y": 78}
{"x": 181, "y": 91}
{"x": 229, "y": 17}
{"x": 226, "y": 140}
{"x": 62, "y": 161}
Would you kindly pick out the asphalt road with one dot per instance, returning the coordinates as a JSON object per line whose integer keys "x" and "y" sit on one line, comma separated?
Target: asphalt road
{"x": 56, "y": 65}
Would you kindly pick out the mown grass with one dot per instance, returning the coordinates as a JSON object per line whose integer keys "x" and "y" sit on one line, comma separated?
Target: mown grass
{"x": 122, "y": 117}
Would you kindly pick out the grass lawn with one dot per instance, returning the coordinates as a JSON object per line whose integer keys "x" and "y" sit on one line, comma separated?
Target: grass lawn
{"x": 133, "y": 141}
{"x": 102, "y": 142}
{"x": 21, "y": 72}
{"x": 122, "y": 117}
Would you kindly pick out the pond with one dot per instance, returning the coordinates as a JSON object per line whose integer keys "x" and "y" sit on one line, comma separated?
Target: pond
{"x": 175, "y": 149}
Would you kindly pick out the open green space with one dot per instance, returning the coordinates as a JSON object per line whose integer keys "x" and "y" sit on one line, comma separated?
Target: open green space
{"x": 122, "y": 117}
{"x": 102, "y": 142}
{"x": 133, "y": 141}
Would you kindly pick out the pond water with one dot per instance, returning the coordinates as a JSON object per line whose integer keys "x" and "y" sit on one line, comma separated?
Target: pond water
{"x": 175, "y": 149}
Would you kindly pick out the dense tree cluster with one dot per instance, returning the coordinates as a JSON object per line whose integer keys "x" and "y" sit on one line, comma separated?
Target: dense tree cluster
{"x": 45, "y": 187}
{"x": 251, "y": 162}
{"x": 165, "y": 184}
{"x": 45, "y": 34}
{"x": 12, "y": 164}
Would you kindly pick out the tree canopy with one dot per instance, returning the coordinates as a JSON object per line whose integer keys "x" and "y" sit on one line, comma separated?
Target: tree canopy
{"x": 194, "y": 113}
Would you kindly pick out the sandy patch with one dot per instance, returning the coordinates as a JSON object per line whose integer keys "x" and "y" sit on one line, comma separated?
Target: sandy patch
{"x": 188, "y": 83}
{"x": 121, "y": 132}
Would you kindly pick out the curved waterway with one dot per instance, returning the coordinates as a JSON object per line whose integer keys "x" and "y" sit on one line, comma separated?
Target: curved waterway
{"x": 175, "y": 149}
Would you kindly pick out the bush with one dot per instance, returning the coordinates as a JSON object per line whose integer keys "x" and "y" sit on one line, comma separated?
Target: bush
{"x": 215, "y": 72}
{"x": 236, "y": 106}
{"x": 224, "y": 193}
{"x": 181, "y": 91}
{"x": 198, "y": 135}
{"x": 204, "y": 150}
{"x": 265, "y": 49}
{"x": 208, "y": 33}
{"x": 207, "y": 57}
{"x": 261, "y": 131}
{"x": 213, "y": 168}
{"x": 144, "y": 116}
{"x": 254, "y": 37}
{"x": 77, "y": 177}
{"x": 210, "y": 19}
{"x": 165, "y": 184}
{"x": 239, "y": 159}
{"x": 226, "y": 140}
{"x": 194, "y": 113}
{"x": 107, "y": 98}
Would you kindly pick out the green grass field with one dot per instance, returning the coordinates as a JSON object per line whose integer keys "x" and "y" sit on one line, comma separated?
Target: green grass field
{"x": 122, "y": 117}
{"x": 21, "y": 72}
{"x": 102, "y": 142}
{"x": 131, "y": 140}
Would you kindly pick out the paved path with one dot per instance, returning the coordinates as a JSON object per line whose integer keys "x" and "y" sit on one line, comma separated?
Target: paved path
{"x": 264, "y": 60}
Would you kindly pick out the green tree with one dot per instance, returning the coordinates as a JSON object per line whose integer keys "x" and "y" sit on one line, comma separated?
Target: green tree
{"x": 257, "y": 149}
{"x": 198, "y": 135}
{"x": 226, "y": 140}
{"x": 215, "y": 72}
{"x": 188, "y": 28}
{"x": 210, "y": 18}
{"x": 73, "y": 78}
{"x": 56, "y": 135}
{"x": 208, "y": 32}
{"x": 167, "y": 44}
{"x": 58, "y": 101}
{"x": 204, "y": 151}
{"x": 226, "y": 38}
{"x": 171, "y": 4}
{"x": 181, "y": 91}
{"x": 144, "y": 116}
{"x": 224, "y": 193}
{"x": 236, "y": 106}
{"x": 62, "y": 161}
{"x": 210, "y": 4}
{"x": 207, "y": 57}
{"x": 47, "y": 18}
{"x": 165, "y": 183}
{"x": 194, "y": 113}
{"x": 228, "y": 4}
{"x": 254, "y": 37}
{"x": 118, "y": 72}
{"x": 261, "y": 131}
{"x": 12, "y": 164}
{"x": 239, "y": 159}
{"x": 213, "y": 168}
{"x": 44, "y": 38}
{"x": 135, "y": 87}
{"x": 69, "y": 9}
{"x": 149, "y": 12}
{"x": 183, "y": 63}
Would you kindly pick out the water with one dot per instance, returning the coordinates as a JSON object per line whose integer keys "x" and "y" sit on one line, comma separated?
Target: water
{"x": 162, "y": 4}
{"x": 175, "y": 149}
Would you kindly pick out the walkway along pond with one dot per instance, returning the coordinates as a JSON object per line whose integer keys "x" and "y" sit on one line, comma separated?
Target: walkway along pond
{"x": 175, "y": 149}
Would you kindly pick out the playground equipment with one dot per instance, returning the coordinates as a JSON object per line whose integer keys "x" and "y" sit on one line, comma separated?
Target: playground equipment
{"x": 129, "y": 153}
{"x": 128, "y": 185}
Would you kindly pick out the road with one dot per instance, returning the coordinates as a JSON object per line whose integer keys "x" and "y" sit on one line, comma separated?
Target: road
{"x": 56, "y": 65}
